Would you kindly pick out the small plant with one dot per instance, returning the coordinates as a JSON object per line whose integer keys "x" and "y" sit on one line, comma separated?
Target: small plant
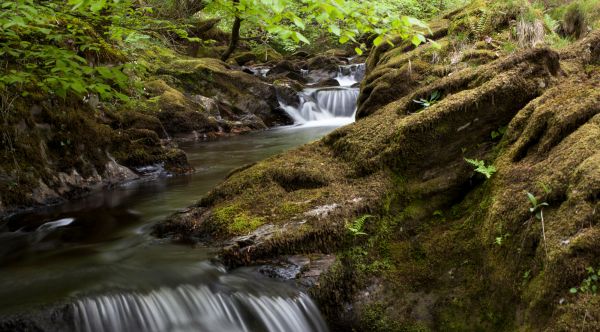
{"x": 425, "y": 103}
{"x": 546, "y": 188}
{"x": 538, "y": 209}
{"x": 500, "y": 239}
{"x": 589, "y": 284}
{"x": 498, "y": 133}
{"x": 481, "y": 168}
{"x": 357, "y": 226}
{"x": 438, "y": 215}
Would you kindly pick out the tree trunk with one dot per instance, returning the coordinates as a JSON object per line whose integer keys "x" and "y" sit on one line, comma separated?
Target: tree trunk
{"x": 235, "y": 36}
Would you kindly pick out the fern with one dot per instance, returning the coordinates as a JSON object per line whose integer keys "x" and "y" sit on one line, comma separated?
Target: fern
{"x": 481, "y": 168}
{"x": 356, "y": 228}
{"x": 482, "y": 25}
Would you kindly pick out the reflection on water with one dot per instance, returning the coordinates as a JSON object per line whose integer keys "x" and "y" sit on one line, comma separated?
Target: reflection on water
{"x": 103, "y": 242}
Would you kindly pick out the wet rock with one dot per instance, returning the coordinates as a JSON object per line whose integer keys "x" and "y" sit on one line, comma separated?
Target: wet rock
{"x": 330, "y": 82}
{"x": 324, "y": 63}
{"x": 304, "y": 270}
{"x": 287, "y": 91}
{"x": 321, "y": 75}
{"x": 284, "y": 67}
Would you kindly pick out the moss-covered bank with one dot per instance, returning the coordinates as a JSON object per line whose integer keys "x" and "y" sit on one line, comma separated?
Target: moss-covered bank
{"x": 446, "y": 248}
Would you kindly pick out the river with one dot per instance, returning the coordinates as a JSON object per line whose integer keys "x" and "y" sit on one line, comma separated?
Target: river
{"x": 95, "y": 264}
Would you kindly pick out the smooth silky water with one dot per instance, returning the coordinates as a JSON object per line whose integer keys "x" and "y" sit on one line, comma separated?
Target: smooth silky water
{"x": 97, "y": 257}
{"x": 98, "y": 254}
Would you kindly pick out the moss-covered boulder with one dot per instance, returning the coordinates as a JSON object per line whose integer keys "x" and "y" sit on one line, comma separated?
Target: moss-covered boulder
{"x": 243, "y": 95}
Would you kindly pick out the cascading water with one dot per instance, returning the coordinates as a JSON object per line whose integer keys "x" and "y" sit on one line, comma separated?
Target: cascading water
{"x": 349, "y": 75}
{"x": 323, "y": 106}
{"x": 198, "y": 308}
{"x": 330, "y": 105}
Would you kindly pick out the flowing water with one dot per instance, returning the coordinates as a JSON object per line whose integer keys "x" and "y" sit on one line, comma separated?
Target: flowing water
{"x": 332, "y": 105}
{"x": 335, "y": 105}
{"x": 98, "y": 254}
{"x": 97, "y": 259}
{"x": 349, "y": 75}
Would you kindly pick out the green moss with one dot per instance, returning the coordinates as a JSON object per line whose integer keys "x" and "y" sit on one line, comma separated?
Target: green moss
{"x": 374, "y": 318}
{"x": 235, "y": 220}
{"x": 243, "y": 224}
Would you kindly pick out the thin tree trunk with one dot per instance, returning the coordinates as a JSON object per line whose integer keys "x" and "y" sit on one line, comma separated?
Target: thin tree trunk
{"x": 235, "y": 36}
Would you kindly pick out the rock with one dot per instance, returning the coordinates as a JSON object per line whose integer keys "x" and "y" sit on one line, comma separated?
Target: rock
{"x": 304, "y": 270}
{"x": 301, "y": 54}
{"x": 244, "y": 58}
{"x": 245, "y": 94}
{"x": 287, "y": 91}
{"x": 320, "y": 75}
{"x": 329, "y": 82}
{"x": 284, "y": 67}
{"x": 325, "y": 63}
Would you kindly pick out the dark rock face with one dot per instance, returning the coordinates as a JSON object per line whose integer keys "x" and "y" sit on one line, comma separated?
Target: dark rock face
{"x": 303, "y": 270}
{"x": 287, "y": 91}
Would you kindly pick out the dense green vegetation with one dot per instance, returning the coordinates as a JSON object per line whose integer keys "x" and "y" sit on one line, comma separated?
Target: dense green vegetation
{"x": 79, "y": 47}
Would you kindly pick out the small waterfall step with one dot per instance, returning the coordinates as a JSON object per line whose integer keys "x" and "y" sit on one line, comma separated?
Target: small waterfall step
{"x": 197, "y": 308}
{"x": 348, "y": 75}
{"x": 324, "y": 105}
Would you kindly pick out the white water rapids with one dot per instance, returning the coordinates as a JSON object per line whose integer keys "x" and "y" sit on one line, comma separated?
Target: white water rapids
{"x": 198, "y": 308}
{"x": 329, "y": 106}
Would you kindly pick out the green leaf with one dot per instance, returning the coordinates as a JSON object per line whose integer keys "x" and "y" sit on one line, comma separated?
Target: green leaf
{"x": 573, "y": 290}
{"x": 301, "y": 37}
{"x": 532, "y": 199}
{"x": 358, "y": 51}
{"x": 97, "y": 5}
{"x": 298, "y": 22}
{"x": 377, "y": 41}
{"x": 335, "y": 29}
{"x": 487, "y": 171}
{"x": 416, "y": 40}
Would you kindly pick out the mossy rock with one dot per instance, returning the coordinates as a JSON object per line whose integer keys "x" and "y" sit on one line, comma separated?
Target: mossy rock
{"x": 64, "y": 149}
{"x": 244, "y": 94}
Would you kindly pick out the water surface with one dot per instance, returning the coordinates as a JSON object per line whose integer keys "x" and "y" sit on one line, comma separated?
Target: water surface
{"x": 99, "y": 249}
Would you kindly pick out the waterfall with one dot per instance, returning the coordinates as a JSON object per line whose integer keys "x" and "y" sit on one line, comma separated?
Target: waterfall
{"x": 329, "y": 106}
{"x": 198, "y": 308}
{"x": 335, "y": 105}
{"x": 349, "y": 75}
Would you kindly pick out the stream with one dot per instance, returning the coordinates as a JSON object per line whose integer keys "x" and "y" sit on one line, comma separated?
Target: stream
{"x": 96, "y": 259}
